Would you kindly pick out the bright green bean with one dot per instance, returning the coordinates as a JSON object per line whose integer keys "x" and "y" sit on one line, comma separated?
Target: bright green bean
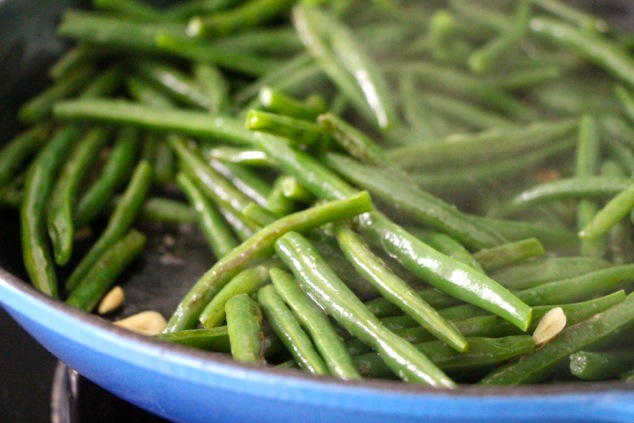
{"x": 244, "y": 319}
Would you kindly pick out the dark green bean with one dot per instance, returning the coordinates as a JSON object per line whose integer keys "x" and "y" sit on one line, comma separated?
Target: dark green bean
{"x": 20, "y": 148}
{"x": 288, "y": 329}
{"x": 244, "y": 319}
{"x": 214, "y": 339}
{"x": 214, "y": 228}
{"x": 259, "y": 246}
{"x": 120, "y": 221}
{"x": 115, "y": 171}
{"x": 60, "y": 225}
{"x": 164, "y": 210}
{"x": 326, "y": 339}
{"x": 538, "y": 365}
{"x": 315, "y": 276}
{"x": 105, "y": 270}
{"x": 145, "y": 92}
{"x": 38, "y": 185}
{"x": 249, "y": 281}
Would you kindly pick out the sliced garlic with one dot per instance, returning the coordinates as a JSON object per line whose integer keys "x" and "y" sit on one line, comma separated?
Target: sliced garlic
{"x": 148, "y": 323}
{"x": 111, "y": 301}
{"x": 553, "y": 322}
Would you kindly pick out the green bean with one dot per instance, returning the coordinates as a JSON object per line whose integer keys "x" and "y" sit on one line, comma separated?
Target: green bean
{"x": 395, "y": 289}
{"x": 277, "y": 202}
{"x": 572, "y": 15}
{"x": 185, "y": 10}
{"x": 20, "y": 148}
{"x": 538, "y": 365}
{"x": 428, "y": 210}
{"x": 244, "y": 179}
{"x": 302, "y": 133}
{"x": 129, "y": 9}
{"x": 238, "y": 156}
{"x": 115, "y": 33}
{"x": 38, "y": 185}
{"x": 146, "y": 93}
{"x": 588, "y": 187}
{"x": 244, "y": 318}
{"x": 104, "y": 84}
{"x": 451, "y": 80}
{"x": 482, "y": 59}
{"x": 628, "y": 377}
{"x": 508, "y": 254}
{"x": 464, "y": 112}
{"x": 247, "y": 15}
{"x": 212, "y": 183}
{"x": 60, "y": 210}
{"x": 204, "y": 52}
{"x": 441, "y": 271}
{"x": 487, "y": 146}
{"x": 277, "y": 41}
{"x": 579, "y": 287}
{"x": 164, "y": 210}
{"x": 218, "y": 236}
{"x": 105, "y": 270}
{"x": 214, "y": 86}
{"x": 449, "y": 246}
{"x": 249, "y": 281}
{"x": 275, "y": 101}
{"x": 480, "y": 21}
{"x": 547, "y": 269}
{"x": 74, "y": 58}
{"x": 175, "y": 82}
{"x": 615, "y": 209}
{"x": 243, "y": 229}
{"x": 121, "y": 112}
{"x": 619, "y": 151}
{"x": 260, "y": 245}
{"x": 40, "y": 106}
{"x": 315, "y": 276}
{"x": 353, "y": 141}
{"x": 494, "y": 326}
{"x": 587, "y": 164}
{"x": 118, "y": 166}
{"x": 597, "y": 49}
{"x": 381, "y": 307}
{"x": 416, "y": 113}
{"x": 214, "y": 339}
{"x": 327, "y": 341}
{"x": 120, "y": 221}
{"x": 483, "y": 352}
{"x": 288, "y": 329}
{"x": 601, "y": 365}
{"x": 526, "y": 78}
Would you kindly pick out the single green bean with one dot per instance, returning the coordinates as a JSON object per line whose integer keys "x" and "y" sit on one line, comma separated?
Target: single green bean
{"x": 277, "y": 202}
{"x": 509, "y": 254}
{"x": 120, "y": 221}
{"x": 381, "y": 307}
{"x": 326, "y": 339}
{"x": 164, "y": 210}
{"x": 244, "y": 319}
{"x": 38, "y": 261}
{"x": 249, "y": 281}
{"x": 238, "y": 156}
{"x": 288, "y": 329}
{"x": 60, "y": 225}
{"x": 449, "y": 246}
{"x": 259, "y": 246}
{"x": 115, "y": 171}
{"x": 464, "y": 112}
{"x": 302, "y": 133}
{"x": 601, "y": 365}
{"x": 105, "y": 270}
{"x": 395, "y": 289}
{"x": 315, "y": 276}
{"x": 20, "y": 148}
{"x": 614, "y": 210}
{"x": 538, "y": 365}
{"x": 214, "y": 228}
{"x": 579, "y": 287}
{"x": 215, "y": 87}
{"x": 214, "y": 339}
{"x": 275, "y": 101}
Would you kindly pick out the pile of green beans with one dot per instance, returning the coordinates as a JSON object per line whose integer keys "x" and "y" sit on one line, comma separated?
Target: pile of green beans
{"x": 388, "y": 189}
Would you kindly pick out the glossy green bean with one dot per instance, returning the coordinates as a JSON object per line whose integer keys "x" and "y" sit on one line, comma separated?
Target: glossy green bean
{"x": 214, "y": 339}
{"x": 244, "y": 319}
{"x": 449, "y": 246}
{"x": 579, "y": 287}
{"x": 381, "y": 307}
{"x": 247, "y": 181}
{"x": 61, "y": 229}
{"x": 288, "y": 329}
{"x": 326, "y": 339}
{"x": 259, "y": 246}
{"x": 238, "y": 156}
{"x": 538, "y": 365}
{"x": 114, "y": 173}
{"x": 38, "y": 261}
{"x": 395, "y": 289}
{"x": 119, "y": 223}
{"x": 249, "y": 281}
{"x": 315, "y": 276}
{"x": 214, "y": 228}
{"x": 105, "y": 270}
